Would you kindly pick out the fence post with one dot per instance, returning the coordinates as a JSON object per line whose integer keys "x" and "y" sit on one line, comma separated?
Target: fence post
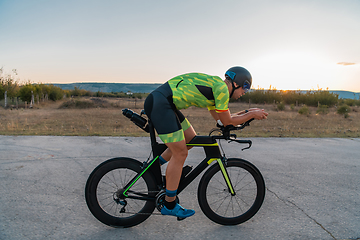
{"x": 17, "y": 104}
{"x": 31, "y": 101}
{"x": 5, "y": 98}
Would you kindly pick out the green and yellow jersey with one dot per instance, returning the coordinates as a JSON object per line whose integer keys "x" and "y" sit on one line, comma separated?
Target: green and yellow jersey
{"x": 200, "y": 90}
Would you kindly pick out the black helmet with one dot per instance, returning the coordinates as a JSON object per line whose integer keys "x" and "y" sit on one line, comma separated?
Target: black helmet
{"x": 240, "y": 76}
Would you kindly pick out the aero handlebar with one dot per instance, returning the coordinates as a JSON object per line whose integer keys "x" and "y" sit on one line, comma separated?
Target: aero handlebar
{"x": 225, "y": 133}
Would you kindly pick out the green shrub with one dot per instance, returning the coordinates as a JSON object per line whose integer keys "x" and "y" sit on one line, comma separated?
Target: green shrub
{"x": 25, "y": 92}
{"x": 304, "y": 110}
{"x": 344, "y": 110}
{"x": 2, "y": 91}
{"x": 8, "y": 84}
{"x": 310, "y": 98}
{"x": 280, "y": 107}
{"x": 80, "y": 92}
{"x": 322, "y": 109}
{"x": 56, "y": 93}
{"x": 349, "y": 102}
{"x": 313, "y": 98}
{"x": 79, "y": 104}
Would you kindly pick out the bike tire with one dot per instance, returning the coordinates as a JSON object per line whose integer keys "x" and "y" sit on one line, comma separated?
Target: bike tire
{"x": 216, "y": 201}
{"x": 111, "y": 176}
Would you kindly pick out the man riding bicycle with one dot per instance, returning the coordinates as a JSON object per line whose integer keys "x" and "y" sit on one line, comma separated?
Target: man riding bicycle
{"x": 193, "y": 89}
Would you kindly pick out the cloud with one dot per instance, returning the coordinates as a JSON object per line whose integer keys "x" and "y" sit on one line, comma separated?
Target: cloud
{"x": 346, "y": 63}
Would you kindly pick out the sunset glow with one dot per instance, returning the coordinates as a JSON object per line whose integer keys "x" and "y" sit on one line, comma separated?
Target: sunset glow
{"x": 286, "y": 44}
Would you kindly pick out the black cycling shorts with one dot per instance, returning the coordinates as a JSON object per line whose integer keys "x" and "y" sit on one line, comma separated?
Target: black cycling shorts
{"x": 168, "y": 121}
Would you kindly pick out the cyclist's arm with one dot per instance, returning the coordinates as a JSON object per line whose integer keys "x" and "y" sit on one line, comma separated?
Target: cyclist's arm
{"x": 214, "y": 114}
{"x": 245, "y": 111}
{"x": 227, "y": 119}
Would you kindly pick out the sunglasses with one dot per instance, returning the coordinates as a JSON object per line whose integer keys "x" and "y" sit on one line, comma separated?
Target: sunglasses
{"x": 246, "y": 86}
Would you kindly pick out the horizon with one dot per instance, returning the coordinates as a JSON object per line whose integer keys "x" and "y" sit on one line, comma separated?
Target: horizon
{"x": 275, "y": 89}
{"x": 141, "y": 41}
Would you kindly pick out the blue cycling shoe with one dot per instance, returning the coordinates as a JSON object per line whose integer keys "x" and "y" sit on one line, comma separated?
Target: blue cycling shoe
{"x": 178, "y": 211}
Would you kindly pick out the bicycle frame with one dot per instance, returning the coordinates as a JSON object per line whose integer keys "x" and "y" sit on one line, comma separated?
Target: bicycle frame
{"x": 124, "y": 192}
{"x": 212, "y": 152}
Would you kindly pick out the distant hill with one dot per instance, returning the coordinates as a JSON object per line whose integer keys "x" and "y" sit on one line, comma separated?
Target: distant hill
{"x": 347, "y": 94}
{"x": 111, "y": 87}
{"x": 149, "y": 87}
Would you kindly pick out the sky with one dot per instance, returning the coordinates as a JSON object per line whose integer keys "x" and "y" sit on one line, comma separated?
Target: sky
{"x": 285, "y": 44}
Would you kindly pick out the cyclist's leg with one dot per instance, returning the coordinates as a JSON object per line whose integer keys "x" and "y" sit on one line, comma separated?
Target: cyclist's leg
{"x": 173, "y": 171}
{"x": 176, "y": 155}
{"x": 189, "y": 134}
{"x": 168, "y": 126}
{"x": 173, "y": 174}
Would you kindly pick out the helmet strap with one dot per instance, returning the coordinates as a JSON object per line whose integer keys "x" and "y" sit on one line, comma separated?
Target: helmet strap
{"x": 233, "y": 88}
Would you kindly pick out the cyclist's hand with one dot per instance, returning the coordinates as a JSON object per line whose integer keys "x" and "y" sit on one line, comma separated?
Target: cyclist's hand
{"x": 259, "y": 114}
{"x": 254, "y": 109}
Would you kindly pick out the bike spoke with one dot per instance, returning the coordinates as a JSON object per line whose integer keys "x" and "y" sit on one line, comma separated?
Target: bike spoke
{"x": 220, "y": 199}
{"x": 111, "y": 183}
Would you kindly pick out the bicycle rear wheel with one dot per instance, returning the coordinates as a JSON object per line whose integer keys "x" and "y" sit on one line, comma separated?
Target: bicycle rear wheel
{"x": 105, "y": 185}
{"x": 216, "y": 201}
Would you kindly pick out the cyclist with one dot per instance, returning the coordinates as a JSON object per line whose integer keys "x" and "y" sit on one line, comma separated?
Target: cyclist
{"x": 193, "y": 89}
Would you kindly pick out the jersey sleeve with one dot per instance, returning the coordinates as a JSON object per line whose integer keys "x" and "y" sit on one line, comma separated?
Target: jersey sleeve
{"x": 211, "y": 108}
{"x": 221, "y": 97}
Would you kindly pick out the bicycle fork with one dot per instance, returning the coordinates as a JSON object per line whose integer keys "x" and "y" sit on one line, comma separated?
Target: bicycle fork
{"x": 222, "y": 164}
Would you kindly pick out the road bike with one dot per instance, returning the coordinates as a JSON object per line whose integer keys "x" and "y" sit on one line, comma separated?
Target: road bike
{"x": 124, "y": 192}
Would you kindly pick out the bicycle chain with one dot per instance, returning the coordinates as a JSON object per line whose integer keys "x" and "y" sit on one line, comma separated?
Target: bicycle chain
{"x": 152, "y": 213}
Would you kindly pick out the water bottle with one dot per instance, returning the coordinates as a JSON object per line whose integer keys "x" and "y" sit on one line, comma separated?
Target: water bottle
{"x": 134, "y": 117}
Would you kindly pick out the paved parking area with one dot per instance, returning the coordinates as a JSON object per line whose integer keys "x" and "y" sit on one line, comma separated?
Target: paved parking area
{"x": 312, "y": 190}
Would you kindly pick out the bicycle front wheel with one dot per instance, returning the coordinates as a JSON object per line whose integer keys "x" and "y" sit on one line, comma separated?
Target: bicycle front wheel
{"x": 216, "y": 201}
{"x": 105, "y": 185}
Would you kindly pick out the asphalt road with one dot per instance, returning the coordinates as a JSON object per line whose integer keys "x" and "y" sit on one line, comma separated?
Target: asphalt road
{"x": 312, "y": 190}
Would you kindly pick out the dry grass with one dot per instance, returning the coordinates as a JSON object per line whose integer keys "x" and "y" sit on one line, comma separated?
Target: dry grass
{"x": 50, "y": 119}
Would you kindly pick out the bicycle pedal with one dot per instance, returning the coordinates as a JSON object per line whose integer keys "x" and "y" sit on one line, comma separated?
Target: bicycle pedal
{"x": 180, "y": 219}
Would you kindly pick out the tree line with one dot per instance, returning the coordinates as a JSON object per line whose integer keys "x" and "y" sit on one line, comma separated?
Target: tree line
{"x": 259, "y": 96}
{"x": 25, "y": 91}
{"x": 309, "y": 98}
